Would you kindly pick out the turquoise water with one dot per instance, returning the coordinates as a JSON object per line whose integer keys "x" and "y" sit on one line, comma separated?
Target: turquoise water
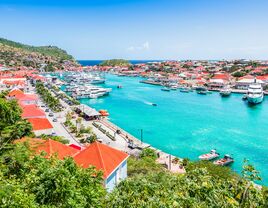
{"x": 188, "y": 124}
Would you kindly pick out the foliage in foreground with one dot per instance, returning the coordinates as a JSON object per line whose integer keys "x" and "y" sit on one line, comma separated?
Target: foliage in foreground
{"x": 12, "y": 126}
{"x": 38, "y": 182}
{"x": 197, "y": 188}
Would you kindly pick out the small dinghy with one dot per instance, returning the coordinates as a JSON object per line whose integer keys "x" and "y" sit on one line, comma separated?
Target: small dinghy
{"x": 209, "y": 156}
{"x": 226, "y": 160}
{"x": 245, "y": 97}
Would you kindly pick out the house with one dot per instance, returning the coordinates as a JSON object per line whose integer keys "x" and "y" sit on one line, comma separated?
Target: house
{"x": 219, "y": 80}
{"x": 50, "y": 147}
{"x": 15, "y": 92}
{"x": 32, "y": 111}
{"x": 27, "y": 99}
{"x": 245, "y": 81}
{"x": 41, "y": 126}
{"x": 112, "y": 162}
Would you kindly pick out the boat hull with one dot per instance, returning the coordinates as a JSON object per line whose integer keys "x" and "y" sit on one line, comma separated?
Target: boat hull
{"x": 255, "y": 100}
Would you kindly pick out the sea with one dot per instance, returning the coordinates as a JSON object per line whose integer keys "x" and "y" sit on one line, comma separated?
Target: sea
{"x": 189, "y": 124}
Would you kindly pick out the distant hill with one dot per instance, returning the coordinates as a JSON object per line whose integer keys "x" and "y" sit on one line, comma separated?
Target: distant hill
{"x": 115, "y": 62}
{"x": 14, "y": 54}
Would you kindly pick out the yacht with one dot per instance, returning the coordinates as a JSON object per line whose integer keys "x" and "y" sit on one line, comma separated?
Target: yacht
{"x": 226, "y": 91}
{"x": 209, "y": 156}
{"x": 255, "y": 93}
{"x": 165, "y": 89}
{"x": 185, "y": 89}
{"x": 89, "y": 91}
{"x": 226, "y": 160}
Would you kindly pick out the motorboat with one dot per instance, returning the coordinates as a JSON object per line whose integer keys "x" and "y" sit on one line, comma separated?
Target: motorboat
{"x": 185, "y": 89}
{"x": 245, "y": 97}
{"x": 226, "y": 160}
{"x": 255, "y": 93}
{"x": 202, "y": 92}
{"x": 104, "y": 112}
{"x": 165, "y": 89}
{"x": 209, "y": 156}
{"x": 154, "y": 104}
{"x": 225, "y": 92}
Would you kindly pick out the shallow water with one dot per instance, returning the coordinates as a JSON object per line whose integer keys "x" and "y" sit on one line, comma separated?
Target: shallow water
{"x": 188, "y": 124}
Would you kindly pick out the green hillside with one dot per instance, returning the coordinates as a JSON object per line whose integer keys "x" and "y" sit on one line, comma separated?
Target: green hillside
{"x": 115, "y": 62}
{"x": 14, "y": 54}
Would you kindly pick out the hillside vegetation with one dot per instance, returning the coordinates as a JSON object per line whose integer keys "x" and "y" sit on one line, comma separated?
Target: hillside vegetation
{"x": 13, "y": 54}
{"x": 115, "y": 62}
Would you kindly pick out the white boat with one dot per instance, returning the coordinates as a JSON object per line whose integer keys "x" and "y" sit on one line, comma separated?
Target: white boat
{"x": 89, "y": 91}
{"x": 185, "y": 89}
{"x": 255, "y": 93}
{"x": 165, "y": 89}
{"x": 226, "y": 91}
{"x": 209, "y": 156}
{"x": 226, "y": 160}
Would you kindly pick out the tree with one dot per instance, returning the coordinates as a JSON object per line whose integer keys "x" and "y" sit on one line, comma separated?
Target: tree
{"x": 34, "y": 181}
{"x": 12, "y": 126}
{"x": 148, "y": 152}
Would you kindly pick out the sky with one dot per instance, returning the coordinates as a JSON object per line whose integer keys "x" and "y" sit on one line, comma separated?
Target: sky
{"x": 141, "y": 29}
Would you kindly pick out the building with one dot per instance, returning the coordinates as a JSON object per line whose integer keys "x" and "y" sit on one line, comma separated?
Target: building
{"x": 50, "y": 147}
{"x": 112, "y": 162}
{"x": 41, "y": 126}
{"x": 32, "y": 111}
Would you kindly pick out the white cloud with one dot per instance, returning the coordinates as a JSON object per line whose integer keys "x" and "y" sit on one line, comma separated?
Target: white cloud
{"x": 145, "y": 46}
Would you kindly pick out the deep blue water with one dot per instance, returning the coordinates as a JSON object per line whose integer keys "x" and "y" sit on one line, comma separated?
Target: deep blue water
{"x": 96, "y": 62}
{"x": 188, "y": 124}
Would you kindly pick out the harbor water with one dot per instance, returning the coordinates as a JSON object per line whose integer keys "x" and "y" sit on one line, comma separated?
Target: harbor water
{"x": 189, "y": 124}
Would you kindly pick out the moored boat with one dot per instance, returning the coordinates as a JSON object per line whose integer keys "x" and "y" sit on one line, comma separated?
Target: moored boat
{"x": 225, "y": 92}
{"x": 165, "y": 89}
{"x": 245, "y": 97}
{"x": 202, "y": 92}
{"x": 104, "y": 112}
{"x": 185, "y": 89}
{"x": 226, "y": 160}
{"x": 255, "y": 93}
{"x": 209, "y": 156}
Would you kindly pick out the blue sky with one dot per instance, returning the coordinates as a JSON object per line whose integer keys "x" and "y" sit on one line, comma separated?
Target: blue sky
{"x": 141, "y": 29}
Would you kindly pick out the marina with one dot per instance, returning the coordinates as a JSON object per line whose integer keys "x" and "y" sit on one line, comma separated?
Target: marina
{"x": 186, "y": 124}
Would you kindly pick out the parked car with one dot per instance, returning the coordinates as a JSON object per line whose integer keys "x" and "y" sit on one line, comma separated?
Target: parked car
{"x": 55, "y": 120}
{"x": 50, "y": 114}
{"x": 47, "y": 110}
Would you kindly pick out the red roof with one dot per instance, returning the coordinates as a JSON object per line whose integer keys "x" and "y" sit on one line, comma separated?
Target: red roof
{"x": 221, "y": 76}
{"x": 15, "y": 92}
{"x": 27, "y": 97}
{"x": 32, "y": 111}
{"x": 102, "y": 157}
{"x": 49, "y": 146}
{"x": 75, "y": 146}
{"x": 40, "y": 123}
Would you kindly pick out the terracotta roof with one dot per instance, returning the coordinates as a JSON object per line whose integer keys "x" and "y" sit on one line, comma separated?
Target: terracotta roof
{"x": 49, "y": 146}
{"x": 15, "y": 92}
{"x": 102, "y": 157}
{"x": 32, "y": 111}
{"x": 27, "y": 97}
{"x": 40, "y": 123}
